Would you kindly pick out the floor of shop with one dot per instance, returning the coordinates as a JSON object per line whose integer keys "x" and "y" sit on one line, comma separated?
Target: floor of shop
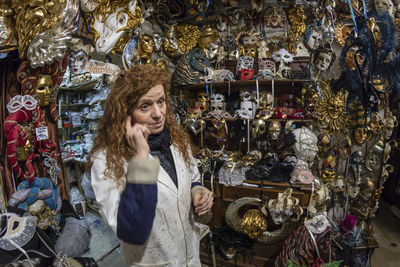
{"x": 104, "y": 246}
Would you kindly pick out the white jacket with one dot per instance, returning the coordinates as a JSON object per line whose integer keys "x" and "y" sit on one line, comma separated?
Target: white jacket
{"x": 174, "y": 238}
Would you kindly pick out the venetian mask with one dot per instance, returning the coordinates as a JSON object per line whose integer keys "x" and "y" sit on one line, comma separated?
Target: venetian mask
{"x": 275, "y": 17}
{"x": 23, "y": 151}
{"x": 384, "y": 6}
{"x": 372, "y": 159}
{"x": 266, "y": 100}
{"x": 246, "y": 111}
{"x": 314, "y": 37}
{"x": 6, "y": 30}
{"x": 284, "y": 206}
{"x": 258, "y": 129}
{"x": 44, "y": 214}
{"x": 211, "y": 50}
{"x": 217, "y": 107}
{"x": 208, "y": 42}
{"x": 323, "y": 61}
{"x": 361, "y": 135}
{"x": 245, "y": 63}
{"x": 262, "y": 50}
{"x": 274, "y": 129}
{"x": 158, "y": 41}
{"x": 246, "y": 96}
{"x": 217, "y": 98}
{"x": 253, "y": 223}
{"x": 282, "y": 56}
{"x": 195, "y": 113}
{"x": 88, "y": 5}
{"x": 356, "y": 162}
{"x": 44, "y": 90}
{"x": 146, "y": 44}
{"x": 221, "y": 23}
{"x": 248, "y": 50}
{"x": 114, "y": 24}
{"x": 77, "y": 61}
{"x": 306, "y": 145}
{"x": 353, "y": 238}
{"x": 389, "y": 124}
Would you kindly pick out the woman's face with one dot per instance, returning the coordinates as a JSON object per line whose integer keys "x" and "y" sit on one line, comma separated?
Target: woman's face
{"x": 151, "y": 109}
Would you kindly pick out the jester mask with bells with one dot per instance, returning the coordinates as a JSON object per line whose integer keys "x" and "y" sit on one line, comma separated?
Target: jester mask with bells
{"x": 284, "y": 206}
{"x": 44, "y": 28}
{"x": 43, "y": 83}
{"x": 112, "y": 24}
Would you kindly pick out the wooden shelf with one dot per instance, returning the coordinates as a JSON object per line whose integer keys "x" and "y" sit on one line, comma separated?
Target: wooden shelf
{"x": 74, "y": 105}
{"x": 281, "y": 86}
{"x": 270, "y": 119}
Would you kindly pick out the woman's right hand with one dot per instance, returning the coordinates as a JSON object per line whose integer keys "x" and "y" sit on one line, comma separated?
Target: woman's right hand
{"x": 137, "y": 138}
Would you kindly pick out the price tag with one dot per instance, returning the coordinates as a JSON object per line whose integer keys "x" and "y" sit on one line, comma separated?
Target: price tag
{"x": 42, "y": 133}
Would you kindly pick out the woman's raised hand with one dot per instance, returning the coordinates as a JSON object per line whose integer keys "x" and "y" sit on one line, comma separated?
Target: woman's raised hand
{"x": 137, "y": 138}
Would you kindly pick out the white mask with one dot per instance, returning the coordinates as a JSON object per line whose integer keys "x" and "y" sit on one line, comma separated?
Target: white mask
{"x": 217, "y": 98}
{"x": 217, "y": 107}
{"x": 109, "y": 30}
{"x": 88, "y": 6}
{"x": 323, "y": 61}
{"x": 211, "y": 50}
{"x": 384, "y": 6}
{"x": 283, "y": 55}
{"x": 158, "y": 41}
{"x": 306, "y": 146}
{"x": 245, "y": 63}
{"x": 247, "y": 110}
{"x": 314, "y": 39}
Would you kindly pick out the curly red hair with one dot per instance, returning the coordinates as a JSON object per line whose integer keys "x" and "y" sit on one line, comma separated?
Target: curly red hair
{"x": 124, "y": 95}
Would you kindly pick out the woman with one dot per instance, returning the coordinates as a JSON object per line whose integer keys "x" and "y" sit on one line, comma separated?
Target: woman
{"x": 148, "y": 206}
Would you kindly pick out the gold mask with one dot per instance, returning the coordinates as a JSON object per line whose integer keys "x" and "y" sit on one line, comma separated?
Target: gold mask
{"x": 24, "y": 151}
{"x": 44, "y": 90}
{"x": 361, "y": 135}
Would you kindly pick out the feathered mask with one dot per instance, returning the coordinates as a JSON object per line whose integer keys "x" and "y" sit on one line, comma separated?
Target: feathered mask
{"x": 367, "y": 61}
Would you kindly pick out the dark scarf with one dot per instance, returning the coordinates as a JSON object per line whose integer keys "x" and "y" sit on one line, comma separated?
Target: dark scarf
{"x": 160, "y": 146}
{"x": 161, "y": 141}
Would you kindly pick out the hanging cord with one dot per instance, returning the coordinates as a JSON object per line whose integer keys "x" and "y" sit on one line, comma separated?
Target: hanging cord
{"x": 354, "y": 18}
{"x": 248, "y": 136}
{"x": 79, "y": 18}
{"x": 229, "y": 88}
{"x": 273, "y": 92}
{"x": 365, "y": 10}
{"x": 311, "y": 196}
{"x": 258, "y": 94}
{"x": 207, "y": 91}
{"x": 211, "y": 91}
{"x": 90, "y": 21}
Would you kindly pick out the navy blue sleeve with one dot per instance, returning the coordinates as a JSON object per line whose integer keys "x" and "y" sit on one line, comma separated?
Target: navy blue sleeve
{"x": 196, "y": 183}
{"x": 136, "y": 212}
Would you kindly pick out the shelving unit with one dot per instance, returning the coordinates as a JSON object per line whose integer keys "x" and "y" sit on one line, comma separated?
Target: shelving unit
{"x": 224, "y": 195}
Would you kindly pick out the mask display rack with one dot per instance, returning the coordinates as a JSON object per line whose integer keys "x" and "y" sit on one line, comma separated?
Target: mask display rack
{"x": 224, "y": 193}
